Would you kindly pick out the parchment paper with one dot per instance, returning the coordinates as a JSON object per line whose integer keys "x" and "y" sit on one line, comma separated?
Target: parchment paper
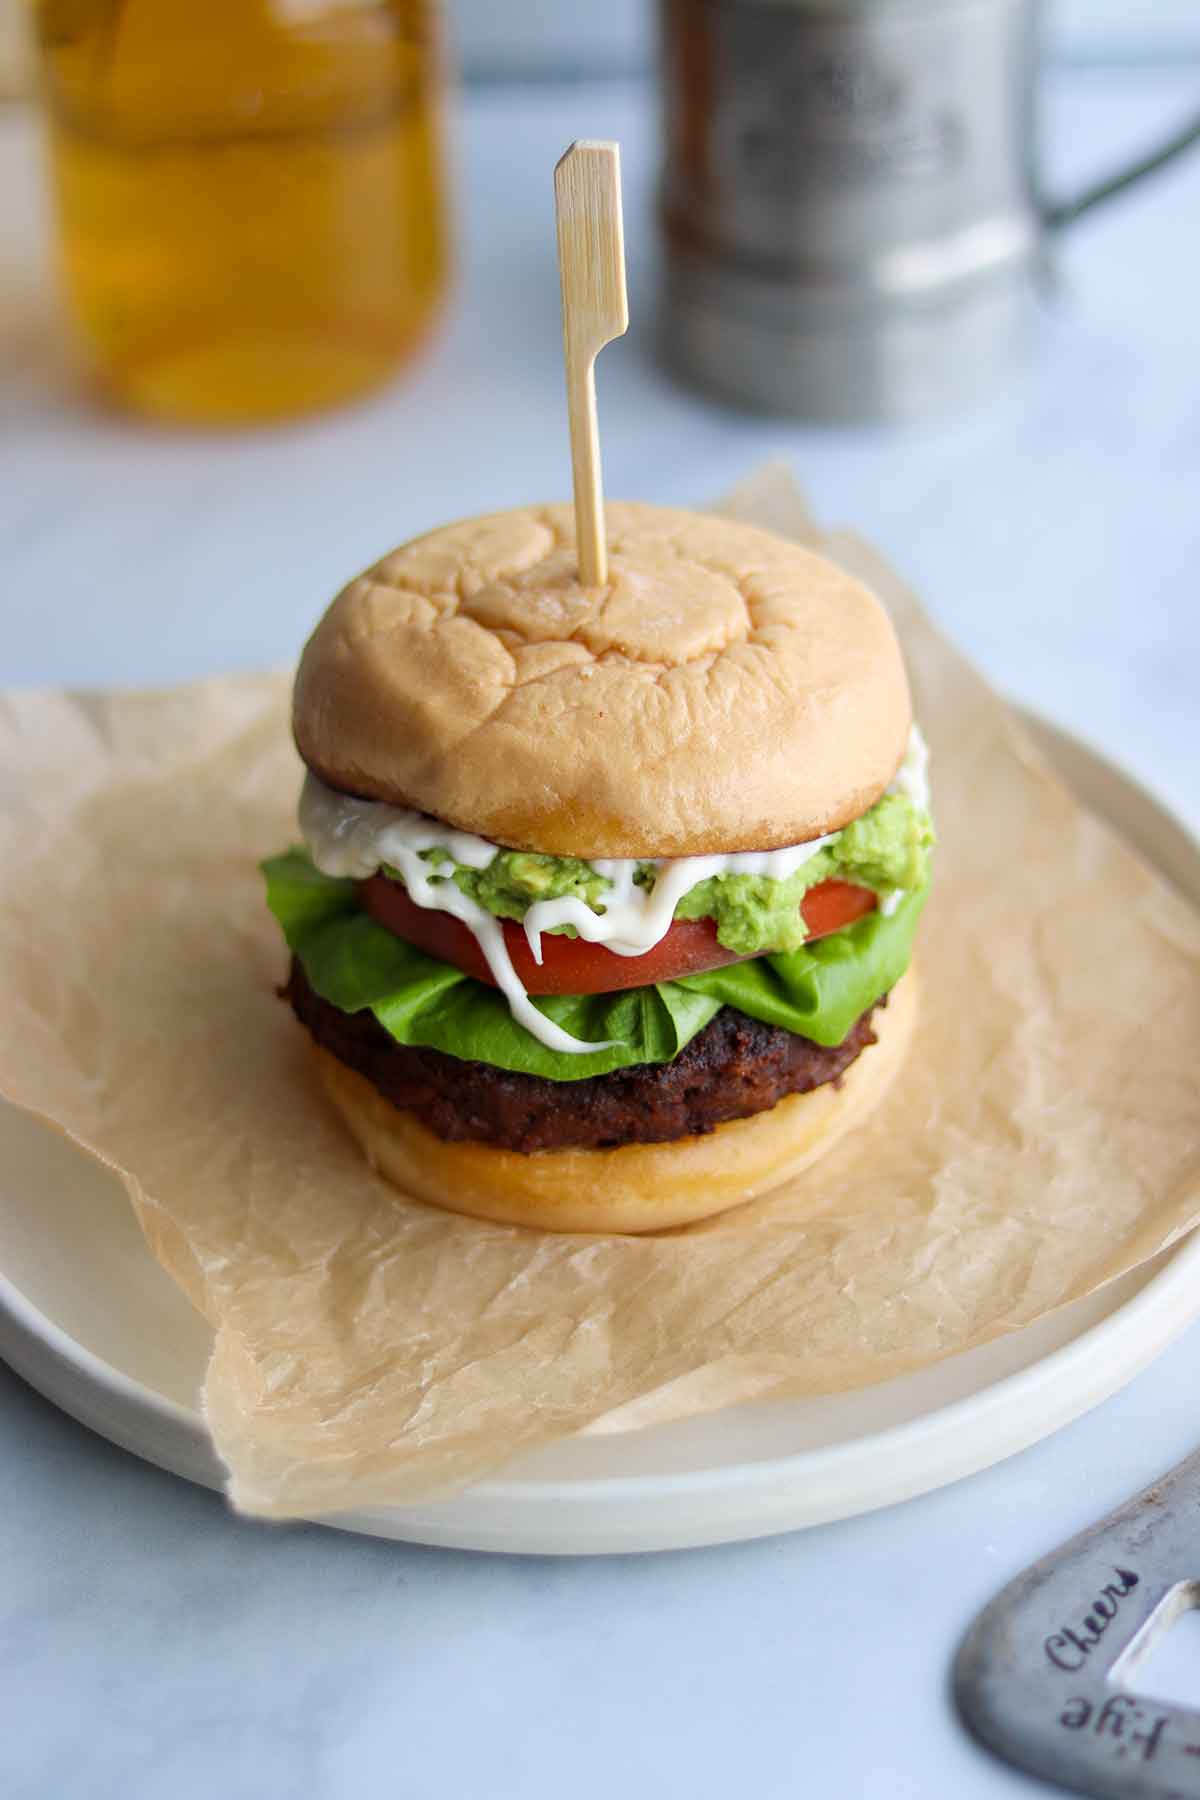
{"x": 1041, "y": 1140}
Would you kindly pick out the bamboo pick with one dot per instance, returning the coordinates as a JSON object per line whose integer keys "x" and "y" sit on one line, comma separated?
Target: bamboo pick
{"x": 591, "y": 266}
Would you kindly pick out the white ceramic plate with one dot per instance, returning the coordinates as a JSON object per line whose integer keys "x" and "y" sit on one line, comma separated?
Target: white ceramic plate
{"x": 88, "y": 1318}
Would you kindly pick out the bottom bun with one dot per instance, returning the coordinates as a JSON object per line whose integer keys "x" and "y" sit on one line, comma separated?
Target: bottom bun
{"x": 636, "y": 1187}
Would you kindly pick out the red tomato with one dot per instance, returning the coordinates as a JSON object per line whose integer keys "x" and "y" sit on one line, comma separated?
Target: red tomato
{"x": 570, "y": 965}
{"x": 832, "y": 904}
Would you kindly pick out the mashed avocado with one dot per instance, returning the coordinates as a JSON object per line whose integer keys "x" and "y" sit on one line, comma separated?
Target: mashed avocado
{"x": 887, "y": 849}
{"x": 515, "y": 879}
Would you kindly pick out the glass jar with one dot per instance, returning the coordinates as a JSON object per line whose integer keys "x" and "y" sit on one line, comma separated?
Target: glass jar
{"x": 249, "y": 193}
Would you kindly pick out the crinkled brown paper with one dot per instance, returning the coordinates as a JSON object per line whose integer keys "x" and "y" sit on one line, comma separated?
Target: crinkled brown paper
{"x": 1041, "y": 1140}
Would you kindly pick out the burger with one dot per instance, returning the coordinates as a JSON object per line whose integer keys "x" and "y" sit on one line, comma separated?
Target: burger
{"x": 604, "y": 910}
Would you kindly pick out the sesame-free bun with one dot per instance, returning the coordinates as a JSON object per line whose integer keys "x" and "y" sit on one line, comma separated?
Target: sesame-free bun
{"x": 726, "y": 690}
{"x": 637, "y": 1187}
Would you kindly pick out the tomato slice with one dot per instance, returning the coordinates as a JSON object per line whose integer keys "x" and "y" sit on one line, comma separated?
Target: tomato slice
{"x": 571, "y": 966}
{"x": 832, "y": 904}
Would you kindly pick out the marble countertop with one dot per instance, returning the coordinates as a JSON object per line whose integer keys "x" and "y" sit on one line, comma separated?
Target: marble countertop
{"x": 150, "y": 1644}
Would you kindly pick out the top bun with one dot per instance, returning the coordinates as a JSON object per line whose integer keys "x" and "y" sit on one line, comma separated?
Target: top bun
{"x": 726, "y": 690}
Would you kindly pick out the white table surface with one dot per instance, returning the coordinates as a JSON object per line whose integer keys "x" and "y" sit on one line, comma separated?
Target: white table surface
{"x": 151, "y": 1644}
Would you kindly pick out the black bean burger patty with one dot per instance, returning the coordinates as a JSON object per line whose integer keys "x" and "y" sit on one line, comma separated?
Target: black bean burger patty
{"x": 733, "y": 1068}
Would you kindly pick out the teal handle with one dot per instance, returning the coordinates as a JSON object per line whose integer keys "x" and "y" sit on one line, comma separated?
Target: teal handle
{"x": 1059, "y": 213}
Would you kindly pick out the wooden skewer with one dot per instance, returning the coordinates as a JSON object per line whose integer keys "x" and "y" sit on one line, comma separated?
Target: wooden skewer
{"x": 591, "y": 266}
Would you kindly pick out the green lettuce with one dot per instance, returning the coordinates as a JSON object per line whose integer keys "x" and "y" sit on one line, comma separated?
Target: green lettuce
{"x": 817, "y": 991}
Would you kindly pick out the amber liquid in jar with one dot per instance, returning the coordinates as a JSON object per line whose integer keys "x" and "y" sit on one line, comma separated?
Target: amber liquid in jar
{"x": 249, "y": 194}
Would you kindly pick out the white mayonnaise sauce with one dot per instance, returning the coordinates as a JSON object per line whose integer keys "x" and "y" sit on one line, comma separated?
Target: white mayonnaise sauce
{"x": 348, "y": 837}
{"x": 912, "y": 780}
{"x": 912, "y": 777}
{"x": 351, "y": 837}
{"x": 636, "y": 918}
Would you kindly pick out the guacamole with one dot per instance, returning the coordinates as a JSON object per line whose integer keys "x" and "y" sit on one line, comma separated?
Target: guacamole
{"x": 887, "y": 849}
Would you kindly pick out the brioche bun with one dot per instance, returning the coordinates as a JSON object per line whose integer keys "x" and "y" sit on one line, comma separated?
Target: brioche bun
{"x": 637, "y": 1187}
{"x": 726, "y": 690}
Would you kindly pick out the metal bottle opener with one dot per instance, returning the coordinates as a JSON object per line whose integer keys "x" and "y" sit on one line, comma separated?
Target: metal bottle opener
{"x": 1041, "y": 1678}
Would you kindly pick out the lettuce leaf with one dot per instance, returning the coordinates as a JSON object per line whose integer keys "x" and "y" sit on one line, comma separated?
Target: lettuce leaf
{"x": 817, "y": 991}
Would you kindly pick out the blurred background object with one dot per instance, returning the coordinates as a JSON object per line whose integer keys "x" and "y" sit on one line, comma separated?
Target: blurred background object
{"x": 252, "y": 219}
{"x": 548, "y": 40}
{"x": 16, "y": 50}
{"x": 852, "y": 201}
{"x": 249, "y": 194}
{"x": 545, "y": 40}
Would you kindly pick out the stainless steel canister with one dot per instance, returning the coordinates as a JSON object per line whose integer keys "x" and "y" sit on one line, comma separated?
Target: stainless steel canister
{"x": 850, "y": 204}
